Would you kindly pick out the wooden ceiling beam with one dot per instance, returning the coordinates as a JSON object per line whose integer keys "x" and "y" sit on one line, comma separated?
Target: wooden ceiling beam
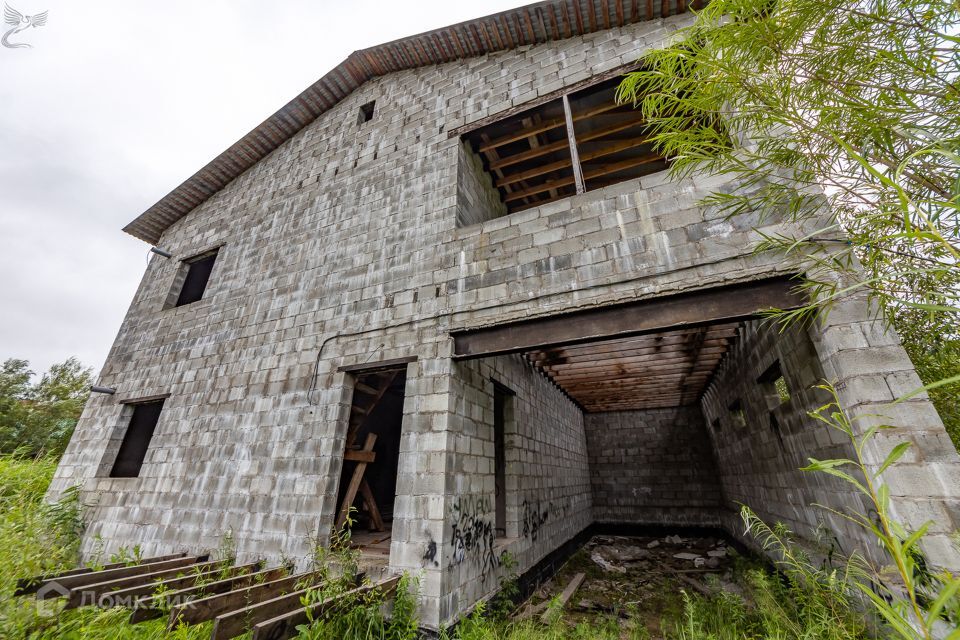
{"x": 546, "y": 125}
{"x": 612, "y": 147}
{"x": 710, "y": 346}
{"x": 602, "y": 170}
{"x": 563, "y": 144}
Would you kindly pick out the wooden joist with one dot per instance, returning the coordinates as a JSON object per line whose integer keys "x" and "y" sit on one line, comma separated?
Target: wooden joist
{"x": 560, "y": 145}
{"x": 26, "y": 586}
{"x": 155, "y": 606}
{"x": 233, "y": 623}
{"x": 90, "y": 594}
{"x": 546, "y": 125}
{"x": 136, "y": 594}
{"x": 80, "y": 580}
{"x": 285, "y": 624}
{"x": 613, "y": 146}
{"x": 236, "y": 593}
{"x": 596, "y": 172}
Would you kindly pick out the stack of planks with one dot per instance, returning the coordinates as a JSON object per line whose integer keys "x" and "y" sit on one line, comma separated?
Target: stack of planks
{"x": 192, "y": 589}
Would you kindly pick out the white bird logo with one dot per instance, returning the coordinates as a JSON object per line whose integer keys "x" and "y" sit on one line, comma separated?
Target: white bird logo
{"x": 20, "y": 22}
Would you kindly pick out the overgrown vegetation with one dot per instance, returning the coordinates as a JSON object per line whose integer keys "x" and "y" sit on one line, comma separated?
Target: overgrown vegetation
{"x": 38, "y": 418}
{"x": 844, "y": 116}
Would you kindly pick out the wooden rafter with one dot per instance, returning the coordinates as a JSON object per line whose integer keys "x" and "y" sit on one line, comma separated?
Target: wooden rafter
{"x": 601, "y": 170}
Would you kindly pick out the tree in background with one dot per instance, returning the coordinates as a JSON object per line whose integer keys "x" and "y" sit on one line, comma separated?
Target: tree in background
{"x": 38, "y": 419}
{"x": 831, "y": 105}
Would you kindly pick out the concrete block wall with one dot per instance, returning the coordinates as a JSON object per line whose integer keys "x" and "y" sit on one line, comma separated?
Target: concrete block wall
{"x": 548, "y": 498}
{"x": 653, "y": 467}
{"x": 477, "y": 199}
{"x": 343, "y": 247}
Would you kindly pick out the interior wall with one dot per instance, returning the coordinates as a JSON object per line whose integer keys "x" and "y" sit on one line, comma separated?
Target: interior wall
{"x": 652, "y": 467}
{"x": 548, "y": 499}
{"x": 760, "y": 452}
{"x": 477, "y": 199}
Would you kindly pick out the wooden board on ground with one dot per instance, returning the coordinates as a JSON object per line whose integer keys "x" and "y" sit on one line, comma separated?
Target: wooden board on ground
{"x": 155, "y": 606}
{"x": 567, "y": 593}
{"x": 26, "y": 586}
{"x": 233, "y": 623}
{"x": 94, "y": 577}
{"x": 239, "y": 596}
{"x": 90, "y": 594}
{"x": 211, "y": 574}
{"x": 285, "y": 625}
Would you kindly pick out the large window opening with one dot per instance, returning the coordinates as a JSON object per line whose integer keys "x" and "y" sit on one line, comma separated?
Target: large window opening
{"x": 577, "y": 142}
{"x": 136, "y": 440}
{"x": 368, "y": 481}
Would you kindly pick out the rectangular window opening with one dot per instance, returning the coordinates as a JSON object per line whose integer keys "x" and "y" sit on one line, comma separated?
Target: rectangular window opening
{"x": 198, "y": 271}
{"x": 774, "y": 383}
{"x": 502, "y": 412}
{"x": 533, "y": 157}
{"x": 737, "y": 414}
{"x": 366, "y": 112}
{"x": 136, "y": 439}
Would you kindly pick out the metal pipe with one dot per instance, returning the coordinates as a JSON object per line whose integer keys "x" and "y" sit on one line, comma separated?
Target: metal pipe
{"x": 107, "y": 390}
{"x": 161, "y": 252}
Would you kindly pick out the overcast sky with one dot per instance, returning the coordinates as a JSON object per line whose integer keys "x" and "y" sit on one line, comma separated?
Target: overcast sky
{"x": 119, "y": 102}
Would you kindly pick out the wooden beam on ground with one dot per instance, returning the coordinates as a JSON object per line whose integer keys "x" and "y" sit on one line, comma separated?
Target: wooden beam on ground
{"x": 90, "y": 594}
{"x": 136, "y": 594}
{"x": 567, "y": 593}
{"x": 694, "y": 308}
{"x": 83, "y": 579}
{"x": 156, "y": 606}
{"x": 237, "y": 621}
{"x": 242, "y": 593}
{"x": 354, "y": 485}
{"x": 26, "y": 586}
{"x": 285, "y": 625}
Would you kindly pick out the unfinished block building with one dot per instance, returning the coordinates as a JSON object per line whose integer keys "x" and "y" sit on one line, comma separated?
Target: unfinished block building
{"x": 452, "y": 285}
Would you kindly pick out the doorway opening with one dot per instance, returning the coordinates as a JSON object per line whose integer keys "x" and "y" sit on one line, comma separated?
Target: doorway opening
{"x": 368, "y": 480}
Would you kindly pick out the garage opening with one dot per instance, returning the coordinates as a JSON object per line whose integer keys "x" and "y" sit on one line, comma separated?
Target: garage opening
{"x": 691, "y": 403}
{"x": 368, "y": 481}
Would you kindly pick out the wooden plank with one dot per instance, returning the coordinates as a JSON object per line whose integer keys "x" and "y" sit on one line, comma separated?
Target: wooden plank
{"x": 80, "y": 580}
{"x": 694, "y": 308}
{"x": 242, "y": 592}
{"x": 572, "y": 139}
{"x": 26, "y": 586}
{"x": 567, "y": 593}
{"x": 237, "y": 621}
{"x": 285, "y": 625}
{"x": 176, "y": 584}
{"x": 542, "y": 150}
{"x": 355, "y": 455}
{"x": 89, "y": 595}
{"x": 610, "y": 357}
{"x": 602, "y": 170}
{"x": 355, "y": 427}
{"x": 614, "y": 146}
{"x": 367, "y": 494}
{"x": 546, "y": 125}
{"x": 155, "y": 606}
{"x": 354, "y": 485}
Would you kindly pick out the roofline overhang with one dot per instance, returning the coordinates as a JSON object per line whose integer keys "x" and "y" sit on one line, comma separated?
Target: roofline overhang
{"x": 531, "y": 24}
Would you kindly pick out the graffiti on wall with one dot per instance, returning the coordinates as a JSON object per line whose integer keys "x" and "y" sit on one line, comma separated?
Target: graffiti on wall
{"x": 533, "y": 517}
{"x": 472, "y": 535}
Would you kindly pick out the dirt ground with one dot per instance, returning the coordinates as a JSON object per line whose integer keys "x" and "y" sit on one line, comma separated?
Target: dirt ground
{"x": 642, "y": 575}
